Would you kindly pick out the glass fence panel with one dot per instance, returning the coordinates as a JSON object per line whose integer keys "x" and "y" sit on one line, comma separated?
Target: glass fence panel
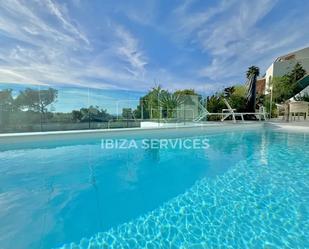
{"x": 68, "y": 109}
{"x": 20, "y": 108}
{"x": 32, "y": 108}
{"x": 168, "y": 109}
{"x": 122, "y": 108}
{"x": 102, "y": 108}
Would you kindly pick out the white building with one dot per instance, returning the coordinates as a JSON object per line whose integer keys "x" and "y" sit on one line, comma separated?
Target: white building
{"x": 285, "y": 63}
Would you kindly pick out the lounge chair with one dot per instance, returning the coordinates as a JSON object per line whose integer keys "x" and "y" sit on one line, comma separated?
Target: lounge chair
{"x": 204, "y": 114}
{"x": 231, "y": 112}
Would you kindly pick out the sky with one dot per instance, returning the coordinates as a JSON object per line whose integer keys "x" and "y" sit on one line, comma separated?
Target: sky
{"x": 135, "y": 45}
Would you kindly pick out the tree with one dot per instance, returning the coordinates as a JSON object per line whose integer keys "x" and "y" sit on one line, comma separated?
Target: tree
{"x": 151, "y": 102}
{"x": 94, "y": 114}
{"x": 36, "y": 100}
{"x": 169, "y": 102}
{"x": 159, "y": 101}
{"x": 253, "y": 70}
{"x": 237, "y": 98}
{"x": 90, "y": 114}
{"x": 141, "y": 110}
{"x": 283, "y": 89}
{"x": 240, "y": 90}
{"x": 6, "y": 100}
{"x": 149, "y": 106}
{"x": 286, "y": 87}
{"x": 186, "y": 92}
{"x": 228, "y": 91}
{"x": 127, "y": 113}
{"x": 215, "y": 103}
{"x": 77, "y": 115}
{"x": 6, "y": 105}
{"x": 252, "y": 74}
{"x": 297, "y": 73}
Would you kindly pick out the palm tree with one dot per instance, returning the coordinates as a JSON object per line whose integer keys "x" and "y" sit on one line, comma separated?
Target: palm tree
{"x": 253, "y": 70}
{"x": 252, "y": 74}
{"x": 170, "y": 101}
{"x": 228, "y": 91}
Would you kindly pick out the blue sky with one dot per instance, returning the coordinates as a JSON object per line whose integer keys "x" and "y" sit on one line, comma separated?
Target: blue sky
{"x": 133, "y": 45}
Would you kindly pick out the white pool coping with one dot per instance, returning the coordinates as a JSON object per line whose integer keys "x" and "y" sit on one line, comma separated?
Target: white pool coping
{"x": 54, "y": 135}
{"x": 185, "y": 128}
{"x": 290, "y": 126}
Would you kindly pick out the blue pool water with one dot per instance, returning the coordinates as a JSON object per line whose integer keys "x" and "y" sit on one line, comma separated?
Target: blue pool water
{"x": 249, "y": 189}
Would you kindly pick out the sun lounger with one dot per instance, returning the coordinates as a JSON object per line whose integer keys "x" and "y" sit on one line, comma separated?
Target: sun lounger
{"x": 231, "y": 112}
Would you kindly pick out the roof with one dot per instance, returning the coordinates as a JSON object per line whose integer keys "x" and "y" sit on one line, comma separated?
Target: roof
{"x": 290, "y": 55}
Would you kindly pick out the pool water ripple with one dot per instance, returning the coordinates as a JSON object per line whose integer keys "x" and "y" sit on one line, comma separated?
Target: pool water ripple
{"x": 251, "y": 206}
{"x": 250, "y": 189}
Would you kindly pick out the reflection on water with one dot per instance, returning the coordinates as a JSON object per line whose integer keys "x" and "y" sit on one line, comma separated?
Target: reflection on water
{"x": 152, "y": 154}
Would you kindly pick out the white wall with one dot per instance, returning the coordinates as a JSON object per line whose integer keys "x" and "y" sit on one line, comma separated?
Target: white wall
{"x": 268, "y": 77}
{"x": 301, "y": 54}
{"x": 280, "y": 68}
{"x": 283, "y": 67}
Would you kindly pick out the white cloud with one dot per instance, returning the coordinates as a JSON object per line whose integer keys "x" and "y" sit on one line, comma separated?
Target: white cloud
{"x": 55, "y": 10}
{"x": 42, "y": 42}
{"x": 188, "y": 22}
{"x": 237, "y": 26}
{"x": 45, "y": 46}
{"x": 231, "y": 34}
{"x": 128, "y": 51}
{"x": 143, "y": 13}
{"x": 10, "y": 76}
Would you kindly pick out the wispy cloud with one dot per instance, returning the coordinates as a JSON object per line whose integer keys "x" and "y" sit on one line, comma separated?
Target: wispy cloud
{"x": 54, "y": 50}
{"x": 191, "y": 43}
{"x": 65, "y": 20}
{"x": 13, "y": 77}
{"x": 230, "y": 34}
{"x": 142, "y": 12}
{"x": 189, "y": 21}
{"x": 128, "y": 51}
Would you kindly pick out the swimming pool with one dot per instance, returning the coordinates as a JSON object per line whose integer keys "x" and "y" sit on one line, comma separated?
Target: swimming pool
{"x": 248, "y": 189}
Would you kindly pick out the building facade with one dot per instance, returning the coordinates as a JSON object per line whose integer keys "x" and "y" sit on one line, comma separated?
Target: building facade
{"x": 260, "y": 86}
{"x": 284, "y": 64}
